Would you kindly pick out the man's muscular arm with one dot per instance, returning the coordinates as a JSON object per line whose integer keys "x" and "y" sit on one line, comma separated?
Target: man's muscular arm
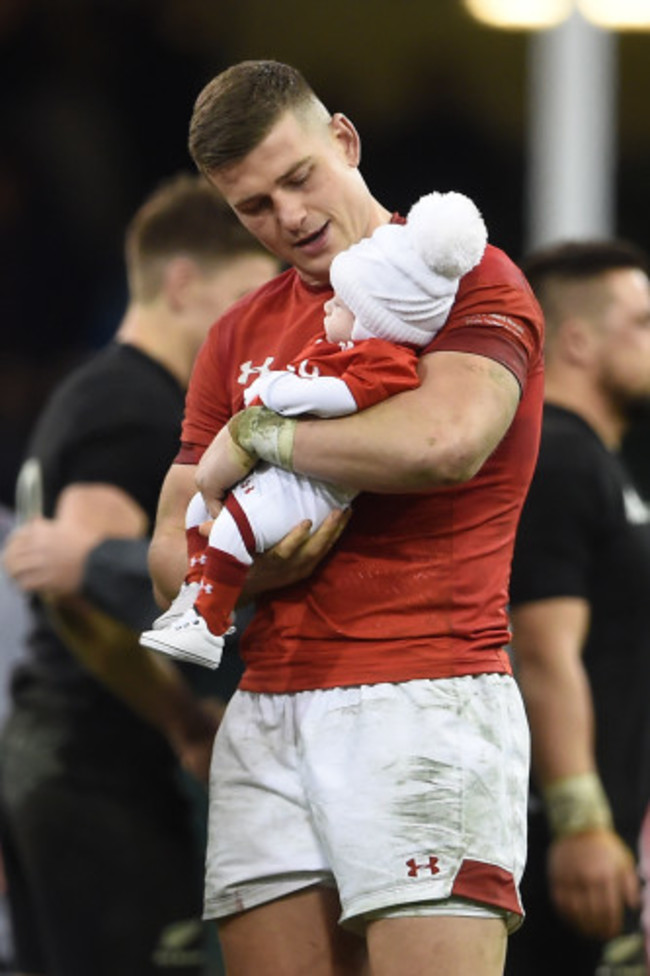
{"x": 168, "y": 549}
{"x": 438, "y": 434}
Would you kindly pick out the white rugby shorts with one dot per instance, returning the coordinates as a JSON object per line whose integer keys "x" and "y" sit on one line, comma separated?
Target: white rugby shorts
{"x": 408, "y": 798}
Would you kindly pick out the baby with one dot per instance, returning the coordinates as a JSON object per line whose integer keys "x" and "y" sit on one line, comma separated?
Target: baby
{"x": 393, "y": 292}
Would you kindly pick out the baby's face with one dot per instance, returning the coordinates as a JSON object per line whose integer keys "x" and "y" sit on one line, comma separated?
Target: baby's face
{"x": 338, "y": 320}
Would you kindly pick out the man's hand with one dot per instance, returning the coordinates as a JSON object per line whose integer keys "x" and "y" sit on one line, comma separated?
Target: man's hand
{"x": 593, "y": 879}
{"x": 194, "y": 749}
{"x": 48, "y": 556}
{"x": 295, "y": 557}
{"x": 223, "y": 464}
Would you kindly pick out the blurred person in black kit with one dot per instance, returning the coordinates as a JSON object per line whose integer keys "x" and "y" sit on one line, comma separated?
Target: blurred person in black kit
{"x": 636, "y": 451}
{"x": 103, "y": 864}
{"x": 580, "y": 612}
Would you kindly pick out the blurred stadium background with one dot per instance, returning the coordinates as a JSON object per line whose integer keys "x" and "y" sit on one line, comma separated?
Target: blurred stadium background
{"x": 95, "y": 99}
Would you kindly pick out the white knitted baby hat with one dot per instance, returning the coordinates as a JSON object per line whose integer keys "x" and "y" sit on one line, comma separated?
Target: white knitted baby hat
{"x": 401, "y": 282}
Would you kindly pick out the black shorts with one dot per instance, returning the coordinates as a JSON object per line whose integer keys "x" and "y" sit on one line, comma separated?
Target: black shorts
{"x": 103, "y": 862}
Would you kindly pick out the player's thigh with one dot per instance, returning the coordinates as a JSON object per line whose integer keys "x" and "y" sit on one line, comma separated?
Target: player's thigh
{"x": 430, "y": 803}
{"x": 446, "y": 946}
{"x": 262, "y": 845}
{"x": 294, "y": 936}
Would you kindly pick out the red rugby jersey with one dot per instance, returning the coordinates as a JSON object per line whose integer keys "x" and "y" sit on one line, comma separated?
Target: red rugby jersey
{"x": 417, "y": 586}
{"x": 372, "y": 369}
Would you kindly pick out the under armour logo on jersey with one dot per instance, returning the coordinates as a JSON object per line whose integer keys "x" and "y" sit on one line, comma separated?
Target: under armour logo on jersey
{"x": 206, "y": 587}
{"x": 246, "y": 370}
{"x": 414, "y": 868}
{"x": 304, "y": 370}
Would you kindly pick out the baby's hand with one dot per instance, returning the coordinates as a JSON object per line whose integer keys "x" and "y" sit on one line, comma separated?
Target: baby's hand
{"x": 259, "y": 386}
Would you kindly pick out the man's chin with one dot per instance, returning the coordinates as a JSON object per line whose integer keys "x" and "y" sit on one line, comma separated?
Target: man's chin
{"x": 316, "y": 272}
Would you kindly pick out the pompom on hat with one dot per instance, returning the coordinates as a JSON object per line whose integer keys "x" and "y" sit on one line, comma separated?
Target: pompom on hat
{"x": 401, "y": 282}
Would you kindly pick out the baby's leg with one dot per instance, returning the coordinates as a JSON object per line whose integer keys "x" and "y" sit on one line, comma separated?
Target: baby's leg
{"x": 259, "y": 511}
{"x": 225, "y": 566}
{"x": 195, "y": 515}
{"x": 274, "y": 501}
{"x": 197, "y": 634}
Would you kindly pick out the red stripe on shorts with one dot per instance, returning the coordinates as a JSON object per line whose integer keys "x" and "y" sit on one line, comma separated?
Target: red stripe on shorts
{"x": 487, "y": 883}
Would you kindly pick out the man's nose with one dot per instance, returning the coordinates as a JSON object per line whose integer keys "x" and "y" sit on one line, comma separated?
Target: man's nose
{"x": 291, "y": 212}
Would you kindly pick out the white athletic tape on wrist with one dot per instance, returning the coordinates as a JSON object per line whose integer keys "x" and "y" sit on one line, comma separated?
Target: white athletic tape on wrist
{"x": 576, "y": 804}
{"x": 266, "y": 435}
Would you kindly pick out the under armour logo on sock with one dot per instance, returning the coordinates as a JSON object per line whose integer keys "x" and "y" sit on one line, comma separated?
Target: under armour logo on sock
{"x": 414, "y": 868}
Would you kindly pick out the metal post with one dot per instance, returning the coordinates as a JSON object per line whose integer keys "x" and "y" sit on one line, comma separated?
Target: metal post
{"x": 572, "y": 81}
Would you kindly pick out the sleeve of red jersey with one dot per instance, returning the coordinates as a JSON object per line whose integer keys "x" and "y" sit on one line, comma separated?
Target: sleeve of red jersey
{"x": 379, "y": 369}
{"x": 495, "y": 315}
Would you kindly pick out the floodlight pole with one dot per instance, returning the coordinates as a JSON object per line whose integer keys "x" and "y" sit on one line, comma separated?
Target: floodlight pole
{"x": 572, "y": 91}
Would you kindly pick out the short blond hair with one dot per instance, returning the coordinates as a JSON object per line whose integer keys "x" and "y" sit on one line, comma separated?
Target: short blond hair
{"x": 183, "y": 217}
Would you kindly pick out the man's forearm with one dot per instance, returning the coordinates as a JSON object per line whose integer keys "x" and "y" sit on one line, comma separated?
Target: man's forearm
{"x": 168, "y": 549}
{"x": 167, "y": 562}
{"x": 560, "y": 712}
{"x": 558, "y": 702}
{"x": 438, "y": 434}
{"x": 366, "y": 451}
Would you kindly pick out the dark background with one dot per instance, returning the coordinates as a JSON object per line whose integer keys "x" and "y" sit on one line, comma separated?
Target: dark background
{"x": 95, "y": 99}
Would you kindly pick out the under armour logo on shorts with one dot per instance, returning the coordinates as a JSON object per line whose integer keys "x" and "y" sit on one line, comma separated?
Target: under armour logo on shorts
{"x": 414, "y": 868}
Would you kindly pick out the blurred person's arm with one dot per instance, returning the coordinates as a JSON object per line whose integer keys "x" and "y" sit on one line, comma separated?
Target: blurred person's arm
{"x": 116, "y": 579}
{"x": 45, "y": 555}
{"x": 153, "y": 687}
{"x": 150, "y": 685}
{"x": 591, "y": 871}
{"x": 64, "y": 559}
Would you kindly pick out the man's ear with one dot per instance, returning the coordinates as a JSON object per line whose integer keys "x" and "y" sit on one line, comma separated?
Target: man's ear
{"x": 346, "y": 137}
{"x": 579, "y": 340}
{"x": 178, "y": 278}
